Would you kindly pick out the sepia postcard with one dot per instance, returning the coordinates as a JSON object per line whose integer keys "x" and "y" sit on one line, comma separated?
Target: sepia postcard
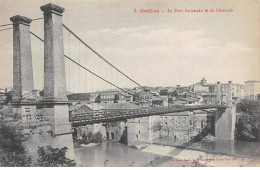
{"x": 129, "y": 83}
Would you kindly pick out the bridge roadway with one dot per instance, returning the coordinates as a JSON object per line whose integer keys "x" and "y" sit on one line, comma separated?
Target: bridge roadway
{"x": 103, "y": 116}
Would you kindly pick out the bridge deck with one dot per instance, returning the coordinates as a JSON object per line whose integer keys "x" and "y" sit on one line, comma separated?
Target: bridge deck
{"x": 123, "y": 114}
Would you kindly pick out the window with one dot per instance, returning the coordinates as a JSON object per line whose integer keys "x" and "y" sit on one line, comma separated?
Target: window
{"x": 139, "y": 131}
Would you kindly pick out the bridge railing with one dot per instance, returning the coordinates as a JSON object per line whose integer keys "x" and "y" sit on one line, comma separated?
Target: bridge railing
{"x": 123, "y": 114}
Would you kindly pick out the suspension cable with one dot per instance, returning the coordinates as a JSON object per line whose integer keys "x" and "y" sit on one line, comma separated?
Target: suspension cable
{"x": 79, "y": 71}
{"x": 99, "y": 54}
{"x": 6, "y": 29}
{"x": 97, "y": 75}
{"x": 105, "y": 59}
{"x": 37, "y": 19}
{"x": 86, "y": 68}
{"x": 89, "y": 70}
{"x": 85, "y": 84}
{"x": 4, "y": 25}
{"x": 69, "y": 67}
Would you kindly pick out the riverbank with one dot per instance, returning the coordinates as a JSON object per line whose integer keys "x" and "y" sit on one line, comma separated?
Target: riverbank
{"x": 188, "y": 157}
{"x": 233, "y": 148}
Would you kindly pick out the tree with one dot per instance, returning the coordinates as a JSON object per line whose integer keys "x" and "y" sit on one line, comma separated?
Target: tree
{"x": 248, "y": 106}
{"x": 12, "y": 151}
{"x": 13, "y": 154}
{"x": 248, "y": 122}
{"x": 54, "y": 157}
{"x": 8, "y": 97}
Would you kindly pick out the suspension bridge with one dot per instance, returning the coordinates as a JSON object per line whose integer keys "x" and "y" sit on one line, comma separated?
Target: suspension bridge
{"x": 72, "y": 68}
{"x": 79, "y": 66}
{"x": 124, "y": 114}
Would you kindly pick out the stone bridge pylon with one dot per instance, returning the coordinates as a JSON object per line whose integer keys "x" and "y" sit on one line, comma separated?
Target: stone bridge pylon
{"x": 56, "y": 129}
{"x": 225, "y": 119}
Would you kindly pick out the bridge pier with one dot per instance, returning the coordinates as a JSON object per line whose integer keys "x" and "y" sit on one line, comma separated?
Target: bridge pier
{"x": 55, "y": 102}
{"x": 225, "y": 119}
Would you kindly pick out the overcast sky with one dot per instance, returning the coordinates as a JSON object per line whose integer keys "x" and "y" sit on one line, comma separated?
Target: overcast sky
{"x": 163, "y": 49}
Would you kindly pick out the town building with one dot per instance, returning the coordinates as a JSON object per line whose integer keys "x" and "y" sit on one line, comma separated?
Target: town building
{"x": 187, "y": 101}
{"x": 93, "y": 96}
{"x": 203, "y": 87}
{"x": 78, "y": 97}
{"x": 237, "y": 91}
{"x": 81, "y": 108}
{"x": 90, "y": 108}
{"x": 182, "y": 89}
{"x": 164, "y": 92}
{"x": 159, "y": 101}
{"x": 115, "y": 96}
{"x": 209, "y": 98}
{"x": 252, "y": 89}
{"x": 209, "y": 90}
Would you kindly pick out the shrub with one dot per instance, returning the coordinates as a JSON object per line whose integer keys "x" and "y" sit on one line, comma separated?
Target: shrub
{"x": 12, "y": 151}
{"x": 90, "y": 135}
{"x": 84, "y": 136}
{"x": 97, "y": 138}
{"x": 54, "y": 157}
{"x": 248, "y": 122}
{"x": 13, "y": 154}
{"x": 90, "y": 138}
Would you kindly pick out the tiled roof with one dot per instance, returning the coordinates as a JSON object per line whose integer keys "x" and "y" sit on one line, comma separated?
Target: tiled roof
{"x": 119, "y": 106}
{"x": 188, "y": 99}
{"x": 92, "y": 106}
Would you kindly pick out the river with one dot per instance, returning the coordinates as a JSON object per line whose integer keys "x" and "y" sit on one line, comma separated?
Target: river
{"x": 115, "y": 154}
{"x": 238, "y": 148}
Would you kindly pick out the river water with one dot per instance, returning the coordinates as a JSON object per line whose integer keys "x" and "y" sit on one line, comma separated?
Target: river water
{"x": 238, "y": 148}
{"x": 113, "y": 154}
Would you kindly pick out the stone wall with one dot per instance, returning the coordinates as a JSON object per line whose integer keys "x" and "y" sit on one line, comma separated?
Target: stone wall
{"x": 109, "y": 131}
{"x": 114, "y": 130}
{"x": 41, "y": 134}
{"x": 175, "y": 127}
{"x": 138, "y": 130}
{"x": 180, "y": 128}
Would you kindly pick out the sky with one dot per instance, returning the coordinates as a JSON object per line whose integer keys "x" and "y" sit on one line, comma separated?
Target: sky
{"x": 155, "y": 49}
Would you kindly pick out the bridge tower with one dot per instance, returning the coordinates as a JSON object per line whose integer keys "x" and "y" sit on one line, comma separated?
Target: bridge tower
{"x": 55, "y": 130}
{"x": 23, "y": 99}
{"x": 55, "y": 100}
{"x": 225, "y": 119}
